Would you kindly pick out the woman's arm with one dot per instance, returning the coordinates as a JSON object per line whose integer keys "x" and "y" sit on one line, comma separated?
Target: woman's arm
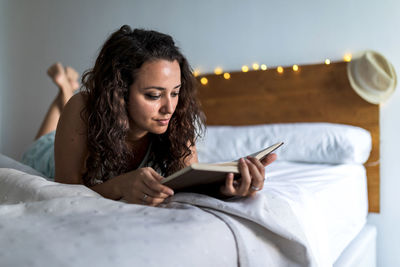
{"x": 70, "y": 150}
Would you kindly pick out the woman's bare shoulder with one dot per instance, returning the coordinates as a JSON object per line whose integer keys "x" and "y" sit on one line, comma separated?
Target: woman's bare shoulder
{"x": 76, "y": 104}
{"x": 72, "y": 114}
{"x": 77, "y": 101}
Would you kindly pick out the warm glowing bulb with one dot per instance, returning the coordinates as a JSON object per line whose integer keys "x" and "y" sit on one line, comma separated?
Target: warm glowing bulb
{"x": 264, "y": 67}
{"x": 327, "y": 61}
{"x": 227, "y": 75}
{"x": 295, "y": 67}
{"x": 256, "y": 66}
{"x": 196, "y": 73}
{"x": 245, "y": 68}
{"x": 203, "y": 81}
{"x": 279, "y": 70}
{"x": 218, "y": 70}
{"x": 347, "y": 57}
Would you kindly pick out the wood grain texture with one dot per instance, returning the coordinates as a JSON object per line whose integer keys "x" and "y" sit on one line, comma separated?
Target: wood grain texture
{"x": 316, "y": 93}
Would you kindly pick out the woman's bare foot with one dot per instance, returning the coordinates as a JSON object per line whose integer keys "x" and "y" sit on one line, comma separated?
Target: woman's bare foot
{"x": 73, "y": 77}
{"x": 58, "y": 75}
{"x": 67, "y": 81}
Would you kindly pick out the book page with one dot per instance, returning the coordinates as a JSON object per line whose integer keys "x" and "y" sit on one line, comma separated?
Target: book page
{"x": 262, "y": 154}
{"x": 258, "y": 155}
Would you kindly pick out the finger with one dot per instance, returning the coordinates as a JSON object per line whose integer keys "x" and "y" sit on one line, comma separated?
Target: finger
{"x": 269, "y": 159}
{"x": 252, "y": 193}
{"x": 228, "y": 189}
{"x": 155, "y": 185}
{"x": 258, "y": 164}
{"x": 136, "y": 196}
{"x": 139, "y": 197}
{"x": 257, "y": 180}
{"x": 146, "y": 199}
{"x": 246, "y": 178}
{"x": 159, "y": 188}
{"x": 162, "y": 188}
{"x": 153, "y": 193}
{"x": 152, "y": 201}
{"x": 260, "y": 168}
{"x": 155, "y": 174}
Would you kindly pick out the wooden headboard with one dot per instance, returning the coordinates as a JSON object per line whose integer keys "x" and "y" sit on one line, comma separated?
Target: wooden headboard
{"x": 315, "y": 93}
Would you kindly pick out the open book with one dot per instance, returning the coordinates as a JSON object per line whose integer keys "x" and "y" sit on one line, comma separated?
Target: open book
{"x": 207, "y": 173}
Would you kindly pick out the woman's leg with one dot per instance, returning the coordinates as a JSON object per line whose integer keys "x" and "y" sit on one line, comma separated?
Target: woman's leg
{"x": 67, "y": 82}
{"x": 73, "y": 77}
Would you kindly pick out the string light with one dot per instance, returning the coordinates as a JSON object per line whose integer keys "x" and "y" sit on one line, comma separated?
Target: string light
{"x": 347, "y": 57}
{"x": 218, "y": 70}
{"x": 196, "y": 73}
{"x": 227, "y": 76}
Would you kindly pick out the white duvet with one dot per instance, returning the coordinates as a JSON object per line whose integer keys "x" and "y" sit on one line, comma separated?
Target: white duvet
{"x": 43, "y": 223}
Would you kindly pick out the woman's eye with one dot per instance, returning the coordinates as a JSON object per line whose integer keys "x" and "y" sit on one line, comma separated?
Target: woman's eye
{"x": 174, "y": 94}
{"x": 153, "y": 97}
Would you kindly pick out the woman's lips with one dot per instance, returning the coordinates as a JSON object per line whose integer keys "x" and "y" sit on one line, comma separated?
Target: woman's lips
{"x": 163, "y": 122}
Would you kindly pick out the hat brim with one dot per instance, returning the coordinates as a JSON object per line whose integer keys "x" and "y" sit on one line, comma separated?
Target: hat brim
{"x": 374, "y": 98}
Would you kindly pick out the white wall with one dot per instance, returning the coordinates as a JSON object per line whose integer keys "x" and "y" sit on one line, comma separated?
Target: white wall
{"x": 3, "y": 24}
{"x": 211, "y": 33}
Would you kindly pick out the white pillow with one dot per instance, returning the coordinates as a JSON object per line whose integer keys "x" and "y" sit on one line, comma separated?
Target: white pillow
{"x": 304, "y": 142}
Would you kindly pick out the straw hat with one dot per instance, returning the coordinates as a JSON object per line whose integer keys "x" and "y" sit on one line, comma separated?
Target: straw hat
{"x": 372, "y": 76}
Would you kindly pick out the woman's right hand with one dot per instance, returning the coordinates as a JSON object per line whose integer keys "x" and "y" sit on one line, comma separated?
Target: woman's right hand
{"x": 143, "y": 186}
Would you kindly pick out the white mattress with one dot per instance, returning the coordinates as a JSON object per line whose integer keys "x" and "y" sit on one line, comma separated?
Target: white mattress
{"x": 340, "y": 194}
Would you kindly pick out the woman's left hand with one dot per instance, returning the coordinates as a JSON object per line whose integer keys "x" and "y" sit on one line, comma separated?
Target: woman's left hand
{"x": 252, "y": 177}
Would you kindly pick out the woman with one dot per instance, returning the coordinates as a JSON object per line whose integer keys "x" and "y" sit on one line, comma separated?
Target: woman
{"x": 135, "y": 122}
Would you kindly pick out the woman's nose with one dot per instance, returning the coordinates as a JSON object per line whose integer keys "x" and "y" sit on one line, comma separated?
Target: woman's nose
{"x": 167, "y": 106}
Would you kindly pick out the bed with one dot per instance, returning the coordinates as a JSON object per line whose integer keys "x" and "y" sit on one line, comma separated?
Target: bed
{"x": 311, "y": 212}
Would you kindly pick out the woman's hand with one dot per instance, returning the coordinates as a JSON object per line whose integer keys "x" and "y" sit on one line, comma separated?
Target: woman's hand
{"x": 143, "y": 186}
{"x": 252, "y": 177}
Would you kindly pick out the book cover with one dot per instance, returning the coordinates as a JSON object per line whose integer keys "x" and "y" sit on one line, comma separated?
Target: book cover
{"x": 208, "y": 173}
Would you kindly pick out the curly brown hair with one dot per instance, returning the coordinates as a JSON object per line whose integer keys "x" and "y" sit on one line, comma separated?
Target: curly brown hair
{"x": 107, "y": 85}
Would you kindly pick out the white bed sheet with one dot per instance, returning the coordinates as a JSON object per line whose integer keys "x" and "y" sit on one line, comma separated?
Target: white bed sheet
{"x": 340, "y": 193}
{"x": 361, "y": 252}
{"x": 315, "y": 207}
{"x": 43, "y": 223}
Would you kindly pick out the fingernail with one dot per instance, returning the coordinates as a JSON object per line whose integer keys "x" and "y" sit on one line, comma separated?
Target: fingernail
{"x": 241, "y": 160}
{"x": 171, "y": 192}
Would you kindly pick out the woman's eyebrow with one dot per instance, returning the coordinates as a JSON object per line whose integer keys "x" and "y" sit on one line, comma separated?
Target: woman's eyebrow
{"x": 160, "y": 88}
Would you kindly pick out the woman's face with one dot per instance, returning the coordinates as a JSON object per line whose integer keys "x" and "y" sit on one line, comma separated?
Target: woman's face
{"x": 153, "y": 97}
